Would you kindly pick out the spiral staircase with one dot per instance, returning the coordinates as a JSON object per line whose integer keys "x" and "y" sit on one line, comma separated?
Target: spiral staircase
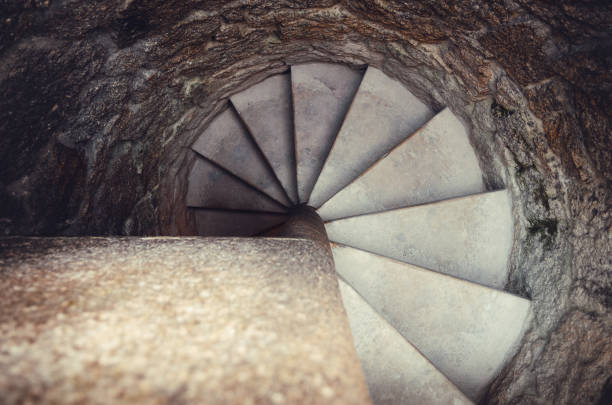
{"x": 421, "y": 248}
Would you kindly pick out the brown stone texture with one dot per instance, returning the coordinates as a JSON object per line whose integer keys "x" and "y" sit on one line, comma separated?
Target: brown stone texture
{"x": 519, "y": 48}
{"x": 173, "y": 320}
{"x": 101, "y": 99}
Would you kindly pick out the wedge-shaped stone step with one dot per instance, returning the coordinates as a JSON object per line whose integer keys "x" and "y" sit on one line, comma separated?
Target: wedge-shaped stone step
{"x": 468, "y": 237}
{"x": 322, "y": 94}
{"x": 396, "y": 373}
{"x": 212, "y": 187}
{"x": 235, "y": 223}
{"x": 466, "y": 330}
{"x": 382, "y": 114}
{"x": 437, "y": 162}
{"x": 266, "y": 110}
{"x": 227, "y": 142}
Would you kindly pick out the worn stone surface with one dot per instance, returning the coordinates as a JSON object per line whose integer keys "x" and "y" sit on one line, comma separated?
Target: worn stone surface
{"x": 169, "y": 320}
{"x": 213, "y": 187}
{"x": 322, "y": 94}
{"x": 439, "y": 163}
{"x": 396, "y": 372}
{"x": 468, "y": 237}
{"x": 305, "y": 223}
{"x": 267, "y": 111}
{"x": 382, "y": 115}
{"x": 227, "y": 142}
{"x": 464, "y": 329}
{"x": 100, "y": 100}
{"x": 235, "y": 223}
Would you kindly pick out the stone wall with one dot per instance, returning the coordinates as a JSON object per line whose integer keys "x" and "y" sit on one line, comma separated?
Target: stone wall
{"x": 100, "y": 100}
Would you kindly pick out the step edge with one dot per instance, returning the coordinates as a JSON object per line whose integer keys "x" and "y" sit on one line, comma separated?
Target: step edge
{"x": 241, "y": 180}
{"x": 230, "y": 107}
{"x": 348, "y": 111}
{"x": 436, "y": 202}
{"x": 387, "y": 152}
{"x": 238, "y": 211}
{"x": 526, "y": 315}
{"x": 406, "y": 140}
{"x": 472, "y": 284}
{"x": 398, "y": 334}
{"x": 232, "y": 101}
{"x": 318, "y": 174}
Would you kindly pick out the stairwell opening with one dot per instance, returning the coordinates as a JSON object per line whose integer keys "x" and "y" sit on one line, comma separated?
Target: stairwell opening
{"x": 395, "y": 182}
{"x": 117, "y": 105}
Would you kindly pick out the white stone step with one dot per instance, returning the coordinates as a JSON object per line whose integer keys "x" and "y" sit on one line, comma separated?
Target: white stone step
{"x": 235, "y": 223}
{"x": 212, "y": 187}
{"x": 466, "y": 330}
{"x": 437, "y": 162}
{"x": 382, "y": 114}
{"x": 396, "y": 373}
{"x": 468, "y": 237}
{"x": 322, "y": 94}
{"x": 227, "y": 142}
{"x": 266, "y": 110}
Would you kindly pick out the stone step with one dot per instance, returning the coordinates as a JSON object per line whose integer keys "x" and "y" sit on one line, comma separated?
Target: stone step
{"x": 437, "y": 162}
{"x": 235, "y": 223}
{"x": 395, "y": 371}
{"x": 382, "y": 114}
{"x": 468, "y": 237}
{"x": 322, "y": 94}
{"x": 227, "y": 142}
{"x": 212, "y": 187}
{"x": 266, "y": 110}
{"x": 466, "y": 330}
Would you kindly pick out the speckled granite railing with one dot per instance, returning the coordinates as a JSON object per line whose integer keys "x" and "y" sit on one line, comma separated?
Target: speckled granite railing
{"x": 159, "y": 320}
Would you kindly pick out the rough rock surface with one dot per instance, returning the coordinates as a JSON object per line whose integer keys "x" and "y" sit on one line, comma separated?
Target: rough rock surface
{"x": 101, "y": 98}
{"x": 173, "y": 320}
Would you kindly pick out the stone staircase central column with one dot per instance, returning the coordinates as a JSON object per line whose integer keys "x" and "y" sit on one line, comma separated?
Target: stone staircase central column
{"x": 303, "y": 223}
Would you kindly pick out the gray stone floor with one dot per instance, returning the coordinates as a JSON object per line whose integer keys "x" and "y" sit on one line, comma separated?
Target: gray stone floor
{"x": 266, "y": 110}
{"x": 228, "y": 143}
{"x": 435, "y": 163}
{"x": 322, "y": 94}
{"x": 468, "y": 237}
{"x": 395, "y": 370}
{"x": 465, "y": 330}
{"x": 213, "y": 187}
{"x": 383, "y": 114}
